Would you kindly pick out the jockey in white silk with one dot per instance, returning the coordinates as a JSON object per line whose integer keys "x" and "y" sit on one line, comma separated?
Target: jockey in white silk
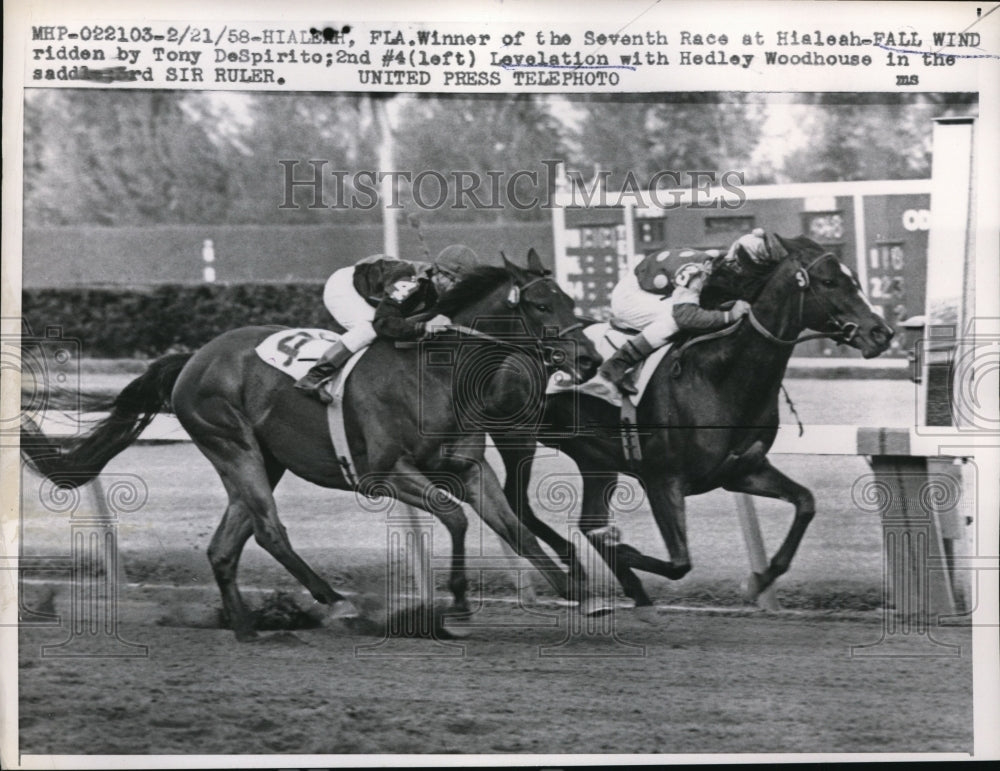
{"x": 375, "y": 297}
{"x": 661, "y": 296}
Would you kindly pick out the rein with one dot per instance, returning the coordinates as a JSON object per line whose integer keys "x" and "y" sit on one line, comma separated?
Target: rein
{"x": 513, "y": 302}
{"x": 755, "y": 323}
{"x": 844, "y": 331}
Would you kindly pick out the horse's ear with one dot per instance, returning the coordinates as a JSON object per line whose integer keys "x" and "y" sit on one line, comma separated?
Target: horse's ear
{"x": 510, "y": 266}
{"x": 779, "y": 247}
{"x": 535, "y": 263}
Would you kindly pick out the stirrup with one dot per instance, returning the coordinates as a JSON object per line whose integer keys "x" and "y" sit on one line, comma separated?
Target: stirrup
{"x": 602, "y": 388}
{"x": 627, "y": 386}
{"x": 317, "y": 389}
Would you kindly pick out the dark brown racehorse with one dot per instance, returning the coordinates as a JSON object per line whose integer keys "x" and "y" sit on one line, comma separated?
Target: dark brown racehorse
{"x": 405, "y": 434}
{"x": 708, "y": 417}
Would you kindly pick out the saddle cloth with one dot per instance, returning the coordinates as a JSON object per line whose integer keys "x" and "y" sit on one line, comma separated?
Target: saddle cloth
{"x": 293, "y": 352}
{"x": 607, "y": 340}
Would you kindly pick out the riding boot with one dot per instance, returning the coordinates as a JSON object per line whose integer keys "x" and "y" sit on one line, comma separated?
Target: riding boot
{"x": 615, "y": 370}
{"x": 323, "y": 370}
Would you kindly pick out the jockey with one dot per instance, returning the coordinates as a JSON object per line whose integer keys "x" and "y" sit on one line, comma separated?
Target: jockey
{"x": 759, "y": 247}
{"x": 660, "y": 297}
{"x": 375, "y": 297}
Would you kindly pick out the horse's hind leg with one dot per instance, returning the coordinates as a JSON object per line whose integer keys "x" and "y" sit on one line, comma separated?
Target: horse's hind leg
{"x": 224, "y": 553}
{"x": 242, "y": 467}
{"x": 767, "y": 481}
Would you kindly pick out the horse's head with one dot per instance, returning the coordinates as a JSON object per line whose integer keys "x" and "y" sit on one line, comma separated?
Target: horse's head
{"x": 831, "y": 300}
{"x": 524, "y": 305}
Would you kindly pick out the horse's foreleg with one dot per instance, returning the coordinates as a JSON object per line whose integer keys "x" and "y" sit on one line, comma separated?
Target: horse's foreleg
{"x": 666, "y": 498}
{"x": 410, "y": 485}
{"x": 486, "y": 496}
{"x": 767, "y": 481}
{"x": 517, "y": 462}
{"x": 595, "y": 522}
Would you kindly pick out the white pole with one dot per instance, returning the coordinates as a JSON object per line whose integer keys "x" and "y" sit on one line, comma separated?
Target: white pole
{"x": 387, "y": 187}
{"x": 559, "y": 229}
{"x": 860, "y": 241}
{"x": 208, "y": 257}
{"x": 950, "y": 207}
{"x": 767, "y": 599}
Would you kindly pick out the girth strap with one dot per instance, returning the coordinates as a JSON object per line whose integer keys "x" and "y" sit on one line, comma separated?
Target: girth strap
{"x": 631, "y": 447}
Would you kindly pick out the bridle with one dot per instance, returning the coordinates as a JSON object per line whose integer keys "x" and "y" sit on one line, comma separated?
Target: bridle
{"x": 845, "y": 331}
{"x": 552, "y": 357}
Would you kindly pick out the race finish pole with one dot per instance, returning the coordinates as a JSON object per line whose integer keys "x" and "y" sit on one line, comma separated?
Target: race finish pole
{"x": 922, "y": 529}
{"x": 383, "y": 112}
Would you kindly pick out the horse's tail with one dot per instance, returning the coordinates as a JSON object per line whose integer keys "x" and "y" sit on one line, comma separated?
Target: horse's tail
{"x": 74, "y": 463}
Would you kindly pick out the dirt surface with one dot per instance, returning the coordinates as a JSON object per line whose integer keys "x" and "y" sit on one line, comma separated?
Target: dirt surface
{"x": 686, "y": 683}
{"x": 689, "y": 682}
{"x": 163, "y": 538}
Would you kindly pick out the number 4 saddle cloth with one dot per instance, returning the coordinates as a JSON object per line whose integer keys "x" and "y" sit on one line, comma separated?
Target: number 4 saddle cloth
{"x": 607, "y": 340}
{"x": 294, "y": 351}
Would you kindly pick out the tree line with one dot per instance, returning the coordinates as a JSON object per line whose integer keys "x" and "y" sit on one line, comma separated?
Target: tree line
{"x": 115, "y": 158}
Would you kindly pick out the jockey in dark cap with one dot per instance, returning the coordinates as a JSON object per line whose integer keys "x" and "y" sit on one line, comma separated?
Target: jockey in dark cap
{"x": 660, "y": 296}
{"x": 376, "y": 297}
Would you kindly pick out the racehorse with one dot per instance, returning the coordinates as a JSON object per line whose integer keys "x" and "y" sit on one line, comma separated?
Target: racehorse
{"x": 708, "y": 417}
{"x": 403, "y": 430}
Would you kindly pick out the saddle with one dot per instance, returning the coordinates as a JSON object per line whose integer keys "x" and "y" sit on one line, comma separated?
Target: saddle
{"x": 608, "y": 337}
{"x": 293, "y": 352}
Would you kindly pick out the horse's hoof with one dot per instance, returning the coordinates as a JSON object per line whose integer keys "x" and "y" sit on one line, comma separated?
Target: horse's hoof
{"x": 339, "y": 610}
{"x": 279, "y": 638}
{"x": 451, "y": 629}
{"x": 457, "y": 613}
{"x": 344, "y": 609}
{"x": 597, "y": 606}
{"x": 753, "y": 587}
{"x": 646, "y": 613}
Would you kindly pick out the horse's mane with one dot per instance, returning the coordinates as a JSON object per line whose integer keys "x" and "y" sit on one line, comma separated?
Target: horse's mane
{"x": 744, "y": 278}
{"x": 472, "y": 286}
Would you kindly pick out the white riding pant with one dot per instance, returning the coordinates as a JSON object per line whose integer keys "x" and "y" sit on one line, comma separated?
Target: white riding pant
{"x": 350, "y": 309}
{"x": 652, "y": 313}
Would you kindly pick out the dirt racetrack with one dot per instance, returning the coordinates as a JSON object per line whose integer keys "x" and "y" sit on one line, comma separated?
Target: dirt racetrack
{"x": 686, "y": 683}
{"x": 729, "y": 680}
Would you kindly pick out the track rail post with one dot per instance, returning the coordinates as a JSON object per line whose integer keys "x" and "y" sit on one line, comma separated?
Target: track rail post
{"x": 754, "y": 540}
